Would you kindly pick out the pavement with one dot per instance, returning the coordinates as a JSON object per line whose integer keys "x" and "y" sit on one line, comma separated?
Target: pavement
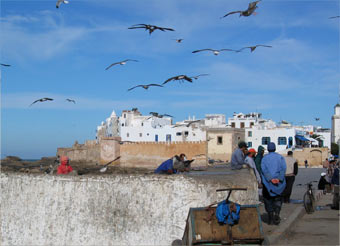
{"x": 294, "y": 213}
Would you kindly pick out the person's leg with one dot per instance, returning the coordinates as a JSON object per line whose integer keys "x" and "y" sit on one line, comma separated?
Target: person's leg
{"x": 335, "y": 204}
{"x": 289, "y": 187}
{"x": 277, "y": 204}
{"x": 268, "y": 205}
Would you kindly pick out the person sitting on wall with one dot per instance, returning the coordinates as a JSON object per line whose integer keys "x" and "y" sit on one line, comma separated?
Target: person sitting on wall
{"x": 175, "y": 164}
{"x": 239, "y": 155}
{"x": 64, "y": 167}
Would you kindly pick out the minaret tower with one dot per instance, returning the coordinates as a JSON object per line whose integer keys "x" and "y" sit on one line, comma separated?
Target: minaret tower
{"x": 335, "y": 134}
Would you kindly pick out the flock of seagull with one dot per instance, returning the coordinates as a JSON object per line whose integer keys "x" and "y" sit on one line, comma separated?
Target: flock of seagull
{"x": 181, "y": 78}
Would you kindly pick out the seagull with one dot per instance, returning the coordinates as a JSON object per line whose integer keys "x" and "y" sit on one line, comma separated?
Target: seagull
{"x": 179, "y": 40}
{"x": 251, "y": 10}
{"x": 154, "y": 114}
{"x": 122, "y": 142}
{"x": 71, "y": 100}
{"x": 42, "y": 100}
{"x": 252, "y": 48}
{"x": 197, "y": 76}
{"x": 333, "y": 17}
{"x": 5, "y": 65}
{"x": 317, "y": 119}
{"x": 120, "y": 63}
{"x": 216, "y": 52}
{"x": 104, "y": 168}
{"x": 61, "y": 1}
{"x": 178, "y": 77}
{"x": 151, "y": 28}
{"x": 187, "y": 125}
{"x": 145, "y": 86}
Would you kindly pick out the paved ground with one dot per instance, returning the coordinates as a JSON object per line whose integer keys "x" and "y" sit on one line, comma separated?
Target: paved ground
{"x": 319, "y": 228}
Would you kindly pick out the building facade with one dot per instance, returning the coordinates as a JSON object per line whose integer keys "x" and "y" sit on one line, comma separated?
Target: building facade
{"x": 335, "y": 135}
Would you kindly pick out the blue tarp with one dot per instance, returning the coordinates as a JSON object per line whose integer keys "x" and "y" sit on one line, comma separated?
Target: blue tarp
{"x": 302, "y": 138}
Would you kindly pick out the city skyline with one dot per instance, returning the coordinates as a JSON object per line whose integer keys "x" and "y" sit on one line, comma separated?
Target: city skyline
{"x": 62, "y": 54}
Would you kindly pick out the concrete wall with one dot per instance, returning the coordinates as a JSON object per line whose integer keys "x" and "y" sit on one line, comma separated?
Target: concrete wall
{"x": 314, "y": 156}
{"x": 109, "y": 149}
{"x": 107, "y": 210}
{"x": 151, "y": 154}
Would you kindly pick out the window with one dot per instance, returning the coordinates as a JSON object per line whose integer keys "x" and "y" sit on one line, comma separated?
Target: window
{"x": 156, "y": 138}
{"x": 250, "y": 134}
{"x": 124, "y": 115}
{"x": 242, "y": 124}
{"x": 127, "y": 135}
{"x": 140, "y": 134}
{"x": 219, "y": 140}
{"x": 147, "y": 134}
{"x": 251, "y": 124}
{"x": 186, "y": 133}
{"x": 233, "y": 124}
{"x": 282, "y": 141}
{"x": 122, "y": 124}
{"x": 265, "y": 140}
{"x": 142, "y": 124}
{"x": 178, "y": 134}
{"x": 168, "y": 137}
{"x": 250, "y": 144}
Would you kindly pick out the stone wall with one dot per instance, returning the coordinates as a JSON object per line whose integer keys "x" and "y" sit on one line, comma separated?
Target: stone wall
{"x": 151, "y": 154}
{"x": 314, "y": 156}
{"x": 87, "y": 152}
{"x": 108, "y": 210}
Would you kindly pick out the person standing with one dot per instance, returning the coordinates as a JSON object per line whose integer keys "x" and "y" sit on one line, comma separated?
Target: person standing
{"x": 306, "y": 163}
{"x": 335, "y": 187}
{"x": 258, "y": 158}
{"x": 251, "y": 163}
{"x": 238, "y": 156}
{"x": 273, "y": 168}
{"x": 291, "y": 172}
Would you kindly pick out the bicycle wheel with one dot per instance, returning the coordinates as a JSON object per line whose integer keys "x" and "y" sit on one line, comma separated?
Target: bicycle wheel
{"x": 308, "y": 203}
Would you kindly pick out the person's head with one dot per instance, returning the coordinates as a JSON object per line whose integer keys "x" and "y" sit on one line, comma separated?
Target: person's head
{"x": 64, "y": 160}
{"x": 271, "y": 147}
{"x": 182, "y": 157}
{"x": 290, "y": 153}
{"x": 251, "y": 152}
{"x": 326, "y": 159}
{"x": 260, "y": 150}
{"x": 243, "y": 146}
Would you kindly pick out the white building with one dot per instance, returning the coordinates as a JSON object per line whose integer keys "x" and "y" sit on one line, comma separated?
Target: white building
{"x": 335, "y": 135}
{"x": 135, "y": 127}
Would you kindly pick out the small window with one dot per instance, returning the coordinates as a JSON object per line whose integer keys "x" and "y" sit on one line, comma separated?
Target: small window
{"x": 282, "y": 141}
{"x": 265, "y": 140}
{"x": 242, "y": 124}
{"x": 233, "y": 124}
{"x": 250, "y": 144}
{"x": 168, "y": 137}
{"x": 124, "y": 115}
{"x": 219, "y": 140}
{"x": 147, "y": 134}
{"x": 140, "y": 134}
{"x": 251, "y": 124}
{"x": 122, "y": 124}
{"x": 142, "y": 124}
{"x": 250, "y": 134}
{"x": 178, "y": 134}
{"x": 186, "y": 133}
{"x": 127, "y": 135}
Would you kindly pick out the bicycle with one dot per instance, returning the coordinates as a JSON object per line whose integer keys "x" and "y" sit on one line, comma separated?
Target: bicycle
{"x": 308, "y": 198}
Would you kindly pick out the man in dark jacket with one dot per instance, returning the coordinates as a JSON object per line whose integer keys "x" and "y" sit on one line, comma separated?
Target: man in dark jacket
{"x": 239, "y": 155}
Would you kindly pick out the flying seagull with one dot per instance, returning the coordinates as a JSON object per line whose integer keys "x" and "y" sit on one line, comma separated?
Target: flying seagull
{"x": 252, "y": 48}
{"x": 154, "y": 114}
{"x": 104, "y": 168}
{"x": 187, "y": 125}
{"x": 216, "y": 52}
{"x": 42, "y": 100}
{"x": 60, "y": 2}
{"x": 179, "y": 40}
{"x": 197, "y": 76}
{"x": 120, "y": 63}
{"x": 317, "y": 119}
{"x": 71, "y": 100}
{"x": 151, "y": 28}
{"x": 333, "y": 17}
{"x": 179, "y": 78}
{"x": 251, "y": 10}
{"x": 5, "y": 65}
{"x": 145, "y": 86}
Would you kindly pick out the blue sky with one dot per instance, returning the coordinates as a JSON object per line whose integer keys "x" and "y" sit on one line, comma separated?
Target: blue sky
{"x": 62, "y": 53}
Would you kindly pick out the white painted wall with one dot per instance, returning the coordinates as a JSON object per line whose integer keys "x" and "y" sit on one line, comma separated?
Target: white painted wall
{"x": 108, "y": 210}
{"x": 336, "y": 124}
{"x": 274, "y": 134}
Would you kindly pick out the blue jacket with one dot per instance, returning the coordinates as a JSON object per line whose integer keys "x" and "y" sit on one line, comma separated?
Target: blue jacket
{"x": 273, "y": 166}
{"x": 165, "y": 166}
{"x": 224, "y": 216}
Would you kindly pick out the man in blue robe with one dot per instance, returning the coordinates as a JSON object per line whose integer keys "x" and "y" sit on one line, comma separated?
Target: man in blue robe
{"x": 173, "y": 165}
{"x": 273, "y": 168}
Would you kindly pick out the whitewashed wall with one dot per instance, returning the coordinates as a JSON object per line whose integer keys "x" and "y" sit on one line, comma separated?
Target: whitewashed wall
{"x": 107, "y": 210}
